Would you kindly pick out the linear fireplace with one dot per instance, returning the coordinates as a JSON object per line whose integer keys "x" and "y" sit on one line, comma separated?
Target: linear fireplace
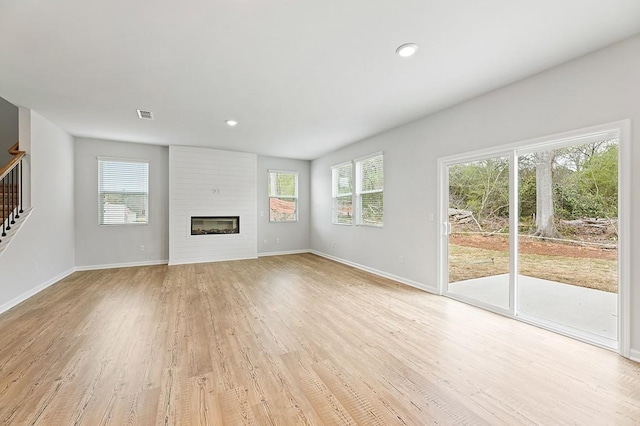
{"x": 207, "y": 225}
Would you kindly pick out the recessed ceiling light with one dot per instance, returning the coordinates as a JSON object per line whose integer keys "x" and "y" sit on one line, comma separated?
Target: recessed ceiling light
{"x": 231, "y": 123}
{"x": 407, "y": 49}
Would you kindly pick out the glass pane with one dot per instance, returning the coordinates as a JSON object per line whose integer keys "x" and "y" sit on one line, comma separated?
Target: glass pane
{"x": 479, "y": 237}
{"x": 344, "y": 178}
{"x": 372, "y": 208}
{"x": 282, "y": 209}
{"x": 119, "y": 208}
{"x": 123, "y": 176}
{"x": 568, "y": 253}
{"x": 343, "y": 209}
{"x": 282, "y": 184}
{"x": 372, "y": 174}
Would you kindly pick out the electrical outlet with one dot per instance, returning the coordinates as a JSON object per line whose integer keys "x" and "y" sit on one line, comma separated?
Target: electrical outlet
{"x": 265, "y": 241}
{"x": 401, "y": 260}
{"x": 333, "y": 244}
{"x": 277, "y": 240}
{"x": 141, "y": 248}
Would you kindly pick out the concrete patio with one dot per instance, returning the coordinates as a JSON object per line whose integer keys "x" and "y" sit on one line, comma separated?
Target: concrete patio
{"x": 585, "y": 309}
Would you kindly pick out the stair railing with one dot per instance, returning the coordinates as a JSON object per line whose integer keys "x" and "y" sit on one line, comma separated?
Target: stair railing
{"x": 11, "y": 189}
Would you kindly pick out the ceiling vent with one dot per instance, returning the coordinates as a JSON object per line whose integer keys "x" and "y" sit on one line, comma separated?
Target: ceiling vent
{"x": 145, "y": 115}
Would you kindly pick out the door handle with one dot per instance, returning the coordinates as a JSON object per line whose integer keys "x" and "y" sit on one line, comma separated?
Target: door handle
{"x": 447, "y": 228}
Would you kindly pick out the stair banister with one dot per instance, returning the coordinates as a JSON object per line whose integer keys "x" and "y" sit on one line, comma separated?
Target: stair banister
{"x": 11, "y": 189}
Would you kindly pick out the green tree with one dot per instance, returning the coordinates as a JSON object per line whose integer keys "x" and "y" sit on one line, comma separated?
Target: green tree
{"x": 481, "y": 187}
{"x": 599, "y": 179}
{"x": 586, "y": 180}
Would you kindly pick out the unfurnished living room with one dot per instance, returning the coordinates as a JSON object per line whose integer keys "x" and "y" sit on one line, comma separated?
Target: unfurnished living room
{"x": 286, "y": 212}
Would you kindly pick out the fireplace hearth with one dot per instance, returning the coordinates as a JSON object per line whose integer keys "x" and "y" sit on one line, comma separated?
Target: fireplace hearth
{"x": 215, "y": 225}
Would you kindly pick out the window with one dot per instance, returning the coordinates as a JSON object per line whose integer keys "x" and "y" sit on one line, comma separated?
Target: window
{"x": 123, "y": 192}
{"x": 369, "y": 190}
{"x": 283, "y": 196}
{"x": 342, "y": 177}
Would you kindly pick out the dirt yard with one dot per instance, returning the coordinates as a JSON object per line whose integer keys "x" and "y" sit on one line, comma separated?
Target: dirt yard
{"x": 475, "y": 256}
{"x": 534, "y": 246}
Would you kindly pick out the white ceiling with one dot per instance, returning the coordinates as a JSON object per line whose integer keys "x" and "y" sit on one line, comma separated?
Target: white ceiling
{"x": 302, "y": 77}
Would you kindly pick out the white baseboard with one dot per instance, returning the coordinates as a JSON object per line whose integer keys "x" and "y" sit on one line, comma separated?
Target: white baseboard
{"x": 383, "y": 274}
{"x": 191, "y": 262}
{"x": 121, "y": 265}
{"x": 634, "y": 355}
{"x": 24, "y": 296}
{"x": 282, "y": 253}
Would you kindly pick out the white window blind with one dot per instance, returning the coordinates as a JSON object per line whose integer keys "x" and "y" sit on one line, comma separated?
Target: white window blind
{"x": 370, "y": 190}
{"x": 283, "y": 196}
{"x": 342, "y": 181}
{"x": 123, "y": 192}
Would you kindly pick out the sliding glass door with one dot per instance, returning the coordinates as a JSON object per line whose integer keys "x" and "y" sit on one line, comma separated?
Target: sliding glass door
{"x": 478, "y": 232}
{"x": 568, "y": 237}
{"x": 533, "y": 232}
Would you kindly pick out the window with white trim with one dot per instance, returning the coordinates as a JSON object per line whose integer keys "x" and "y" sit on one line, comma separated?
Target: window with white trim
{"x": 370, "y": 190}
{"x": 123, "y": 191}
{"x": 342, "y": 181}
{"x": 283, "y": 196}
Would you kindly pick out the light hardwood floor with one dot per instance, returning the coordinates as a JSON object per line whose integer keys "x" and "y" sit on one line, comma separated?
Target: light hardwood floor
{"x": 290, "y": 340}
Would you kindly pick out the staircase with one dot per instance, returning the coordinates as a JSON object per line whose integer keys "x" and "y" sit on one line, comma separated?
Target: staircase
{"x": 8, "y": 193}
{"x": 11, "y": 207}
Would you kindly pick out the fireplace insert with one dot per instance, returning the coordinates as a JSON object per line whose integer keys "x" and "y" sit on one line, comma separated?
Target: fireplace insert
{"x": 209, "y": 225}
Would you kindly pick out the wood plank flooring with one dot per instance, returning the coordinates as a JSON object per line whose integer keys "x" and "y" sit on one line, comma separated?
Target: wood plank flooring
{"x": 290, "y": 340}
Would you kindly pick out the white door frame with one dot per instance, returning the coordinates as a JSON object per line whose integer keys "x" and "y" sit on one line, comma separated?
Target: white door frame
{"x": 621, "y": 130}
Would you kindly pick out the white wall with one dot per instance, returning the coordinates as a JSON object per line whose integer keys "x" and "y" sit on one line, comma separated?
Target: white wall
{"x": 209, "y": 182}
{"x": 42, "y": 252}
{"x": 293, "y": 236}
{"x": 599, "y": 88}
{"x": 8, "y": 129}
{"x": 24, "y": 135}
{"x": 409, "y": 182}
{"x": 106, "y": 246}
